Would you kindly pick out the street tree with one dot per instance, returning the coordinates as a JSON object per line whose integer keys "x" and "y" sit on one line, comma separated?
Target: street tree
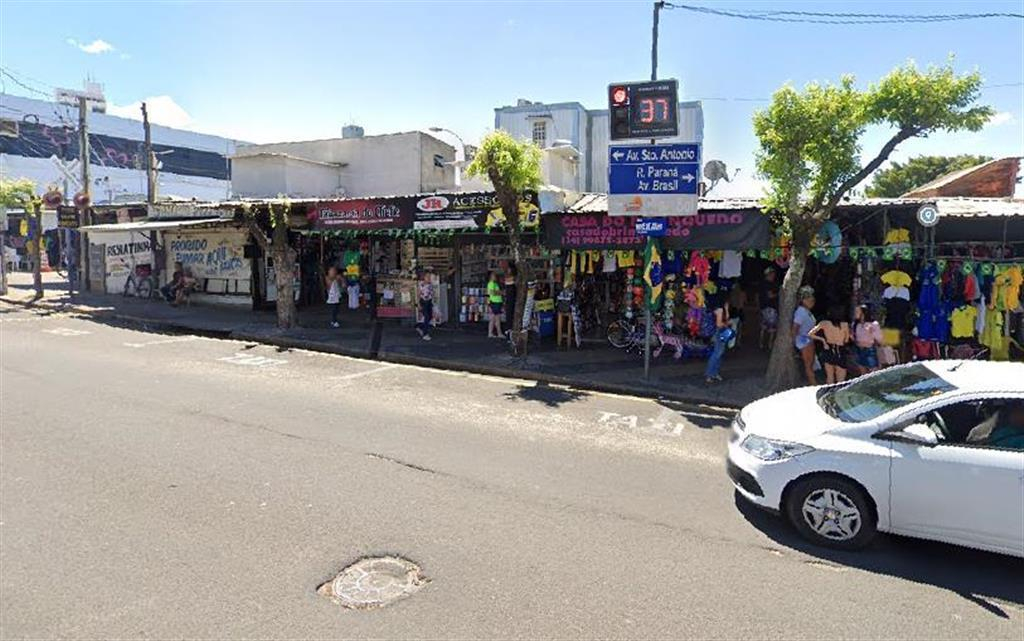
{"x": 513, "y": 167}
{"x": 810, "y": 156}
{"x": 899, "y": 178}
{"x": 21, "y": 193}
{"x": 275, "y": 216}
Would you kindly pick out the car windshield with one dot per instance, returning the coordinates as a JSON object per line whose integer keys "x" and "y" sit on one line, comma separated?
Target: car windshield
{"x": 867, "y": 398}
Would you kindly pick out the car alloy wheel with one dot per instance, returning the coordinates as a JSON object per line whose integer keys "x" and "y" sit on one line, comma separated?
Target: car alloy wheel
{"x": 831, "y": 514}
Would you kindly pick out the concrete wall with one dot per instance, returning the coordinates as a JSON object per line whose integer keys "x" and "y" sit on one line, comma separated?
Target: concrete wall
{"x": 269, "y": 176}
{"x": 374, "y": 165}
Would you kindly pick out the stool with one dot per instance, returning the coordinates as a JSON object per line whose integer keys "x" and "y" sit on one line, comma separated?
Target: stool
{"x": 564, "y": 329}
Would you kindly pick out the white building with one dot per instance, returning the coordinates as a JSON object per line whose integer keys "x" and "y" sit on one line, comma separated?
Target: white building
{"x": 570, "y": 124}
{"x": 351, "y": 166}
{"x": 35, "y": 133}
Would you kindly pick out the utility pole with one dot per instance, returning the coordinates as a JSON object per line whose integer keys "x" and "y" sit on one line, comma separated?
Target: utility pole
{"x": 84, "y": 218}
{"x": 649, "y": 323}
{"x": 150, "y": 164}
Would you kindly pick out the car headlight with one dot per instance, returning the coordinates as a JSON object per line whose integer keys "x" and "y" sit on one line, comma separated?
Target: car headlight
{"x": 768, "y": 449}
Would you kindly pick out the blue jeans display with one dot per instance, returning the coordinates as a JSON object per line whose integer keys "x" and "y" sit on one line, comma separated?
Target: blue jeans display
{"x": 717, "y": 352}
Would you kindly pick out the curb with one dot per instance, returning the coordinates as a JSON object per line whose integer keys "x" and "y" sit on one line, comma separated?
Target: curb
{"x": 397, "y": 357}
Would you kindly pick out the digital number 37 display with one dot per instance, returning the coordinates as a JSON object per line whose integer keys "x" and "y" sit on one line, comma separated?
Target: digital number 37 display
{"x": 644, "y": 109}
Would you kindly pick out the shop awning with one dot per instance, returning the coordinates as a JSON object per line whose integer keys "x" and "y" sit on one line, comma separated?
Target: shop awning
{"x": 153, "y": 225}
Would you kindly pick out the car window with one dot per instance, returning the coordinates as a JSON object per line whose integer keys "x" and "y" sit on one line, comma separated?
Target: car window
{"x": 864, "y": 399}
{"x": 1002, "y": 427}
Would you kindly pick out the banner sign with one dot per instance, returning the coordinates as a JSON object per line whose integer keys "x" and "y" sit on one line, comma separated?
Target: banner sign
{"x": 468, "y": 210}
{"x": 216, "y": 255}
{"x": 733, "y": 229}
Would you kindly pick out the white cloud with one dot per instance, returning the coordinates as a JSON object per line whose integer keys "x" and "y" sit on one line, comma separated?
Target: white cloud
{"x": 1000, "y": 118}
{"x": 162, "y": 111}
{"x": 94, "y": 47}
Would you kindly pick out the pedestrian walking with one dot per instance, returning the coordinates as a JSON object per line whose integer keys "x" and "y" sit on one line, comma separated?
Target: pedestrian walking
{"x": 834, "y": 334}
{"x": 867, "y": 337}
{"x": 720, "y": 339}
{"x": 804, "y": 322}
{"x": 426, "y": 296}
{"x": 495, "y": 301}
{"x": 333, "y": 285}
{"x": 768, "y": 300}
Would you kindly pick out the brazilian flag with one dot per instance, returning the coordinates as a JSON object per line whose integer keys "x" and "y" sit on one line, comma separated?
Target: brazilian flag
{"x": 652, "y": 273}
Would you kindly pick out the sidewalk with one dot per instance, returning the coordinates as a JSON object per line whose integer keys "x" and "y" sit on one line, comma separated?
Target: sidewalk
{"x": 596, "y": 366}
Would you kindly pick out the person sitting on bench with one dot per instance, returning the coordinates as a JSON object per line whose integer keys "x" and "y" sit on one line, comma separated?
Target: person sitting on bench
{"x": 170, "y": 290}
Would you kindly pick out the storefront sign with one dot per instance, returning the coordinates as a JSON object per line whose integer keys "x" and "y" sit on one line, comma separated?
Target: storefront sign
{"x": 212, "y": 255}
{"x": 180, "y": 211}
{"x": 734, "y": 229}
{"x": 68, "y": 218}
{"x": 363, "y": 213}
{"x": 653, "y": 227}
{"x": 469, "y": 210}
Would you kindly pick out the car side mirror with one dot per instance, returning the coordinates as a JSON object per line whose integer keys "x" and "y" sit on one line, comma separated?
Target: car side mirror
{"x": 918, "y": 433}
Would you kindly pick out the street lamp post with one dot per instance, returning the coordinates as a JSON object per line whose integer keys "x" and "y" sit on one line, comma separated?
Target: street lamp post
{"x": 460, "y": 154}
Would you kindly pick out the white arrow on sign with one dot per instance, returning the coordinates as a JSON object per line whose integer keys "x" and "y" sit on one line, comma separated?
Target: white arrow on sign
{"x": 617, "y": 155}
{"x": 689, "y": 178}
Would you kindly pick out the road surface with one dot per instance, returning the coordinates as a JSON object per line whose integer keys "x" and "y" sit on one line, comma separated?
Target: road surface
{"x": 158, "y": 485}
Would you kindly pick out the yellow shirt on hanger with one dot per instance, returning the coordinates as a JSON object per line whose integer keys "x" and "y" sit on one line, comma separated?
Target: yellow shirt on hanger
{"x": 962, "y": 320}
{"x": 896, "y": 278}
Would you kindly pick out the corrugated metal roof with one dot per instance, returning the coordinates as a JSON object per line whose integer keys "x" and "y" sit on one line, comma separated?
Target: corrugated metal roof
{"x": 595, "y": 203}
{"x": 969, "y": 207}
{"x": 150, "y": 225}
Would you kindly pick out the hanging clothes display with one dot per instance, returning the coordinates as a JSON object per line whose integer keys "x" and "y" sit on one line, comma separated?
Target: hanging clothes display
{"x": 731, "y": 264}
{"x": 962, "y": 320}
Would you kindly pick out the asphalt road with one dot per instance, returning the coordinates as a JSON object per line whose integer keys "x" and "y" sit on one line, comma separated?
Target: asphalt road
{"x": 164, "y": 486}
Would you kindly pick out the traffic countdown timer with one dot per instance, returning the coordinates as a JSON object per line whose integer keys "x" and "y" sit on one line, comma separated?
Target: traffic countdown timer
{"x": 644, "y": 109}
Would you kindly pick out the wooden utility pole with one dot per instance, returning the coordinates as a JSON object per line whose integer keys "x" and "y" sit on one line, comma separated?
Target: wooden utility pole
{"x": 84, "y": 218}
{"x": 150, "y": 164}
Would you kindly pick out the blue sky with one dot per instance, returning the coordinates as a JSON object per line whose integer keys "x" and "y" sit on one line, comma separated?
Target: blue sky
{"x": 267, "y": 71}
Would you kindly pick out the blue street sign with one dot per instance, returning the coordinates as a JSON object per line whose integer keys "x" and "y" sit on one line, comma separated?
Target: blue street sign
{"x": 653, "y": 227}
{"x": 653, "y": 169}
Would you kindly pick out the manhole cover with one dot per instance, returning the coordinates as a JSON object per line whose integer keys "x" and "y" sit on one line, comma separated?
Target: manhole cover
{"x": 374, "y": 582}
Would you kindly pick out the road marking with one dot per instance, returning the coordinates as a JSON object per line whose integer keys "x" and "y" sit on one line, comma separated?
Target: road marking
{"x": 67, "y": 331}
{"x": 382, "y": 368}
{"x": 166, "y": 341}
{"x": 250, "y": 360}
{"x": 663, "y": 423}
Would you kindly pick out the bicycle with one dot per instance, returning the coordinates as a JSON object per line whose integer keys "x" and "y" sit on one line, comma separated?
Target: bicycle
{"x": 140, "y": 282}
{"x": 629, "y": 334}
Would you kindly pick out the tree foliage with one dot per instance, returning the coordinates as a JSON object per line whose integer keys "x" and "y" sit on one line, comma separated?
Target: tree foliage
{"x": 899, "y": 178}
{"x": 513, "y": 167}
{"x": 508, "y": 163}
{"x": 16, "y": 193}
{"x": 810, "y": 155}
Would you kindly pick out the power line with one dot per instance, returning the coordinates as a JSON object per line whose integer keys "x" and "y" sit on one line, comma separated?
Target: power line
{"x": 820, "y": 17}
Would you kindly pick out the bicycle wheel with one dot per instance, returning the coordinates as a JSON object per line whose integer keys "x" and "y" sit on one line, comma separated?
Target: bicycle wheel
{"x": 619, "y": 334}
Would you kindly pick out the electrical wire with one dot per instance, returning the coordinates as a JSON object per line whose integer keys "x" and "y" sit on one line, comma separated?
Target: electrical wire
{"x": 823, "y": 17}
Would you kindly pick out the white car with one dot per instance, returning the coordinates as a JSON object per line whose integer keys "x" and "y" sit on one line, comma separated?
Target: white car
{"x": 933, "y": 450}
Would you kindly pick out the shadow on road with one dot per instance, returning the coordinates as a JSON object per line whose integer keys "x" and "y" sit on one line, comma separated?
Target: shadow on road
{"x": 545, "y": 394}
{"x": 703, "y": 417}
{"x": 980, "y": 577}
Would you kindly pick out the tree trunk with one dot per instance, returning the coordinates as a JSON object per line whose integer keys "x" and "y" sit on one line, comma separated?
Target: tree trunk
{"x": 782, "y": 371}
{"x": 37, "y": 251}
{"x": 284, "y": 274}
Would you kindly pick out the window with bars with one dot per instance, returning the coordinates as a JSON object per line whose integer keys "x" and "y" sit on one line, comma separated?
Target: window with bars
{"x": 540, "y": 133}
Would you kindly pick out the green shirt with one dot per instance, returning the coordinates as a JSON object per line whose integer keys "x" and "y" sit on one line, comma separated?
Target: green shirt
{"x": 494, "y": 292}
{"x": 351, "y": 260}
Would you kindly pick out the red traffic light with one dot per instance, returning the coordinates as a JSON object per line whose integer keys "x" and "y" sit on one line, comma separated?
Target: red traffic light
{"x": 619, "y": 96}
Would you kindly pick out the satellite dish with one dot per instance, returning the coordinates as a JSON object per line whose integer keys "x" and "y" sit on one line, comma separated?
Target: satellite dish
{"x": 715, "y": 170}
